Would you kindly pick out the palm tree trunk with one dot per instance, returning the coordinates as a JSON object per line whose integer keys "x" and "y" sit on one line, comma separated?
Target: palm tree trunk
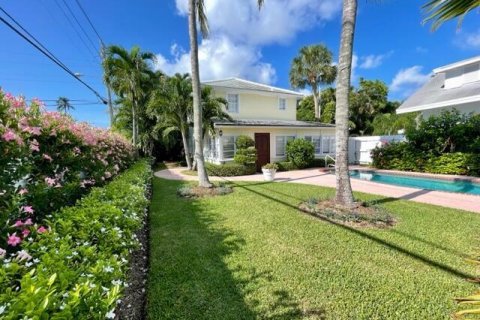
{"x": 316, "y": 102}
{"x": 197, "y": 110}
{"x": 110, "y": 106}
{"x": 344, "y": 195}
{"x": 185, "y": 147}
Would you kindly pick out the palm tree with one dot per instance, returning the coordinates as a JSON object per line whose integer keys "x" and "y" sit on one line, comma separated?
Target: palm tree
{"x": 344, "y": 195}
{"x": 313, "y": 67}
{"x": 125, "y": 73}
{"x": 213, "y": 109}
{"x": 440, "y": 11}
{"x": 63, "y": 105}
{"x": 196, "y": 12}
{"x": 171, "y": 104}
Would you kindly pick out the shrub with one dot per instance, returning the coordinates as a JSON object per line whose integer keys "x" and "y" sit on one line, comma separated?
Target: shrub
{"x": 454, "y": 163}
{"x": 270, "y": 166}
{"x": 286, "y": 166}
{"x": 244, "y": 142}
{"x": 246, "y": 156}
{"x": 49, "y": 161}
{"x": 75, "y": 268}
{"x": 230, "y": 169}
{"x": 398, "y": 156}
{"x": 300, "y": 152}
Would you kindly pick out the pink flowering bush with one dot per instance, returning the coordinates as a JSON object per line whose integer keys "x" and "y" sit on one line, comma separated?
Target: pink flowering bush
{"x": 48, "y": 161}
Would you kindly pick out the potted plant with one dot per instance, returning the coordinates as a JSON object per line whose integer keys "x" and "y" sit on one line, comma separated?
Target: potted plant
{"x": 269, "y": 171}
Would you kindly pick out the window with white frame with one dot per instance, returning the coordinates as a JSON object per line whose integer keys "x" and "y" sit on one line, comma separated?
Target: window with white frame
{"x": 317, "y": 142}
{"x": 328, "y": 145}
{"x": 281, "y": 144}
{"x": 228, "y": 147}
{"x": 232, "y": 102}
{"x": 282, "y": 104}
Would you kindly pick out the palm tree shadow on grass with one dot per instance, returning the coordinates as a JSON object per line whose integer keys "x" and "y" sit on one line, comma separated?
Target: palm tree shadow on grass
{"x": 424, "y": 259}
{"x": 189, "y": 278}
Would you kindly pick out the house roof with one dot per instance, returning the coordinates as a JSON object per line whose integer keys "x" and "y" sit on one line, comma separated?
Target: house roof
{"x": 241, "y": 84}
{"x": 457, "y": 64}
{"x": 271, "y": 123}
{"x": 433, "y": 95}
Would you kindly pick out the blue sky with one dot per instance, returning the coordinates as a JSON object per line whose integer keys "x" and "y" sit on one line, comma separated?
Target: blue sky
{"x": 391, "y": 43}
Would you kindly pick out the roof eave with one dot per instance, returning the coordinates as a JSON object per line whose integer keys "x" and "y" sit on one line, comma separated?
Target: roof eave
{"x": 448, "y": 103}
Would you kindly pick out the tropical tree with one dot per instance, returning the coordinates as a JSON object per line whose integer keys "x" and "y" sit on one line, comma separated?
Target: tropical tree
{"x": 313, "y": 67}
{"x": 344, "y": 194}
{"x": 440, "y": 11}
{"x": 172, "y": 105}
{"x": 126, "y": 74}
{"x": 196, "y": 12}
{"x": 64, "y": 105}
{"x": 213, "y": 109}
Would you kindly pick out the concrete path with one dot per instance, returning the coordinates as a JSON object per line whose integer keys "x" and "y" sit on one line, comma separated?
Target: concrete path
{"x": 317, "y": 177}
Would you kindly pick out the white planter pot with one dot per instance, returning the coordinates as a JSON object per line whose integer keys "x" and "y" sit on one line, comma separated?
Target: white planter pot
{"x": 269, "y": 174}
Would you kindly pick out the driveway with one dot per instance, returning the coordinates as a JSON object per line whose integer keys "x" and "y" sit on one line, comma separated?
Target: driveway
{"x": 325, "y": 179}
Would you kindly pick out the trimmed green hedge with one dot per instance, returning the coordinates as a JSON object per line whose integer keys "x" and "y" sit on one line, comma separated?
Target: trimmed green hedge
{"x": 289, "y": 166}
{"x": 230, "y": 169}
{"x": 76, "y": 269}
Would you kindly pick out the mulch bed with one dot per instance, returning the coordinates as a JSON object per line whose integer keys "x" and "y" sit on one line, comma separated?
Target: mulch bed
{"x": 134, "y": 300}
{"x": 361, "y": 215}
{"x": 198, "y": 192}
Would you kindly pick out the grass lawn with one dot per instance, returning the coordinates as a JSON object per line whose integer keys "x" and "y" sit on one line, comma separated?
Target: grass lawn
{"x": 253, "y": 255}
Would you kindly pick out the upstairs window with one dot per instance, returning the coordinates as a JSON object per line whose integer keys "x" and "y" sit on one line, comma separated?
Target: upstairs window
{"x": 232, "y": 103}
{"x": 282, "y": 104}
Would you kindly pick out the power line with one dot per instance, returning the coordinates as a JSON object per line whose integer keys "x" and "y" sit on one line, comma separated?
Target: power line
{"x": 80, "y": 25}
{"x": 50, "y": 56}
{"x": 90, "y": 22}
{"x": 75, "y": 29}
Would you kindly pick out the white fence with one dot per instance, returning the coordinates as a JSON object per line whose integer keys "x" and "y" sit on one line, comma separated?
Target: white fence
{"x": 359, "y": 147}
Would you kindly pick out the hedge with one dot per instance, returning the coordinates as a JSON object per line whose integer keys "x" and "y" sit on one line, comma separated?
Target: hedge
{"x": 76, "y": 268}
{"x": 230, "y": 169}
{"x": 289, "y": 166}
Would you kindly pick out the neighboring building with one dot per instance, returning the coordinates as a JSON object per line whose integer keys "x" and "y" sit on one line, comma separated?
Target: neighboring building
{"x": 268, "y": 115}
{"x": 456, "y": 85}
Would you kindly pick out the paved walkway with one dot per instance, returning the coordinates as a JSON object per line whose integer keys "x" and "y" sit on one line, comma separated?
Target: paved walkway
{"x": 316, "y": 177}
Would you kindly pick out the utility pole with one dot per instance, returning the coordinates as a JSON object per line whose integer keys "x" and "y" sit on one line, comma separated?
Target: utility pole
{"x": 109, "y": 92}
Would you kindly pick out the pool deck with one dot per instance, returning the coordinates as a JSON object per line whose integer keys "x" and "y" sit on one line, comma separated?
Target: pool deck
{"x": 324, "y": 178}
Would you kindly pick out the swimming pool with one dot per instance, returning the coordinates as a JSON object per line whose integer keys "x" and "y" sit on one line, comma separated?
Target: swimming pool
{"x": 460, "y": 186}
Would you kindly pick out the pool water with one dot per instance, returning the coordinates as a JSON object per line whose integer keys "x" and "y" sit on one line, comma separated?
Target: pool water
{"x": 417, "y": 182}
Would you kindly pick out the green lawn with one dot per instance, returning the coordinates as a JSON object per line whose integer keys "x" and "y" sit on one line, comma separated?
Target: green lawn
{"x": 253, "y": 255}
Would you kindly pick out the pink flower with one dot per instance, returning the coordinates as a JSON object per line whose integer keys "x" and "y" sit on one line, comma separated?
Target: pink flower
{"x": 42, "y": 229}
{"x": 25, "y": 232}
{"x": 13, "y": 240}
{"x": 22, "y": 191}
{"x": 47, "y": 157}
{"x": 27, "y": 209}
{"x": 3, "y": 252}
{"x": 23, "y": 255}
{"x": 28, "y": 222}
{"x": 50, "y": 181}
{"x": 34, "y": 145}
{"x": 18, "y": 223}
{"x": 9, "y": 135}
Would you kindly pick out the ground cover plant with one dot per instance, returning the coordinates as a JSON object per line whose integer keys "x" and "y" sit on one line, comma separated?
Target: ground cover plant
{"x": 76, "y": 268}
{"x": 251, "y": 255}
{"x": 48, "y": 161}
{"x": 192, "y": 191}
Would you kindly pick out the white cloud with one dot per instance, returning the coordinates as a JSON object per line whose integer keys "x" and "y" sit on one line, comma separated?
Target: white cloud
{"x": 220, "y": 58}
{"x": 468, "y": 40}
{"x": 409, "y": 79}
{"x": 373, "y": 60}
{"x": 238, "y": 30}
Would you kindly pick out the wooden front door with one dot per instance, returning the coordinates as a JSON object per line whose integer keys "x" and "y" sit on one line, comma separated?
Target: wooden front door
{"x": 262, "y": 144}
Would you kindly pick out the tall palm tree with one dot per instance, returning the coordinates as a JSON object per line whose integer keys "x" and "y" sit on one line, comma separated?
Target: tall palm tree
{"x": 125, "y": 73}
{"x": 196, "y": 12}
{"x": 64, "y": 105}
{"x": 344, "y": 195}
{"x": 313, "y": 67}
{"x": 440, "y": 11}
{"x": 213, "y": 109}
{"x": 172, "y": 104}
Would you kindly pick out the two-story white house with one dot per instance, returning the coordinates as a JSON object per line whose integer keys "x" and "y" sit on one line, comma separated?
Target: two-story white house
{"x": 268, "y": 115}
{"x": 456, "y": 85}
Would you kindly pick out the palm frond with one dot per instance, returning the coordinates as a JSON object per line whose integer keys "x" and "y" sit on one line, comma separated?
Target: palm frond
{"x": 440, "y": 11}
{"x": 202, "y": 18}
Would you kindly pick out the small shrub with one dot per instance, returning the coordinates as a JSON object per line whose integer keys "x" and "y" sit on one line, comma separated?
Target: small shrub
{"x": 270, "y": 166}
{"x": 286, "y": 166}
{"x": 230, "y": 169}
{"x": 398, "y": 156}
{"x": 320, "y": 163}
{"x": 300, "y": 152}
{"x": 244, "y": 142}
{"x": 246, "y": 156}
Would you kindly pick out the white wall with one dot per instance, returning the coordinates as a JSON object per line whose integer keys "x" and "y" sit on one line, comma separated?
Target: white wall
{"x": 359, "y": 148}
{"x": 465, "y": 74}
